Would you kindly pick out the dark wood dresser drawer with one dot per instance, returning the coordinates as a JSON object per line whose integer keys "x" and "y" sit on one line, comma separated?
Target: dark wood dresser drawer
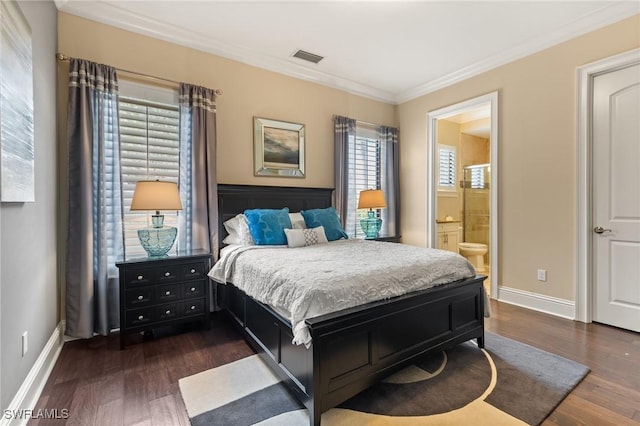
{"x": 168, "y": 311}
{"x": 138, "y": 317}
{"x": 192, "y": 307}
{"x": 139, "y": 276}
{"x": 193, "y": 289}
{"x": 168, "y": 292}
{"x": 194, "y": 270}
{"x": 168, "y": 273}
{"x": 139, "y": 296}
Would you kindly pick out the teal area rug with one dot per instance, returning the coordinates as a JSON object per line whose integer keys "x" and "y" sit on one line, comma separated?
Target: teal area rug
{"x": 507, "y": 383}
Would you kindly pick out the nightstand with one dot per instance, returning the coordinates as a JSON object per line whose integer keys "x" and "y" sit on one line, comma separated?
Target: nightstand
{"x": 387, "y": 238}
{"x": 157, "y": 292}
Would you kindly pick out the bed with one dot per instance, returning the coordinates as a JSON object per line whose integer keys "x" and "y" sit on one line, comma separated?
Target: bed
{"x": 353, "y": 348}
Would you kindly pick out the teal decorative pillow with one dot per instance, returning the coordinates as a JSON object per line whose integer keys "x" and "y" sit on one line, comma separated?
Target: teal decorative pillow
{"x": 267, "y": 226}
{"x": 328, "y": 218}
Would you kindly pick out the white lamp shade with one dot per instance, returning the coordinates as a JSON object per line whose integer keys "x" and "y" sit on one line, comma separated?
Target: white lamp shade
{"x": 371, "y": 199}
{"x": 156, "y": 195}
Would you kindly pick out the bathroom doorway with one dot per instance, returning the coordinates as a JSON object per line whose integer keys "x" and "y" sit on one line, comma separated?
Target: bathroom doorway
{"x": 463, "y": 196}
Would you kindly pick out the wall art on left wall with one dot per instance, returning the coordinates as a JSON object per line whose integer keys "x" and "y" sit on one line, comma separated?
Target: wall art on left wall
{"x": 17, "y": 156}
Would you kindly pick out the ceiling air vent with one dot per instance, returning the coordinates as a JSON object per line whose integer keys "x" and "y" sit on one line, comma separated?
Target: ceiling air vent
{"x": 306, "y": 56}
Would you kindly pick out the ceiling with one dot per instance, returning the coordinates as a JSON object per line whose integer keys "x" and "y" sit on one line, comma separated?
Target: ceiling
{"x": 391, "y": 51}
{"x": 481, "y": 112}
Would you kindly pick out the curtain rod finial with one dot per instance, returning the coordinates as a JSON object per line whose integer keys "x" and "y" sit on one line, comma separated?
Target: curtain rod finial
{"x": 62, "y": 57}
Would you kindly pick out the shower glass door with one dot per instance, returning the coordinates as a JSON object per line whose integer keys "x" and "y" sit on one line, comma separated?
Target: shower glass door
{"x": 476, "y": 200}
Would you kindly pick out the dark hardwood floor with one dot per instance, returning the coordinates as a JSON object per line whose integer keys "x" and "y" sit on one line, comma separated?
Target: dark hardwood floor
{"x": 101, "y": 385}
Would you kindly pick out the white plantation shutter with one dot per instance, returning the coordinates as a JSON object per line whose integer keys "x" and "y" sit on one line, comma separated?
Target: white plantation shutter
{"x": 477, "y": 178}
{"x": 111, "y": 217}
{"x": 366, "y": 163}
{"x": 447, "y": 167}
{"x": 149, "y": 150}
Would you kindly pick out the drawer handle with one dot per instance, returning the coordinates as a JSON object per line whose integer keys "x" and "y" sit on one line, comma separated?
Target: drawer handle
{"x": 140, "y": 317}
{"x": 167, "y": 293}
{"x": 167, "y": 274}
{"x": 140, "y": 297}
{"x": 168, "y": 311}
{"x": 140, "y": 277}
{"x": 193, "y": 289}
{"x": 193, "y": 271}
{"x": 193, "y": 307}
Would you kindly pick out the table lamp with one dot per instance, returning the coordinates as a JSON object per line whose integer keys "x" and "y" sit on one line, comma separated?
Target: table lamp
{"x": 371, "y": 199}
{"x": 158, "y": 239}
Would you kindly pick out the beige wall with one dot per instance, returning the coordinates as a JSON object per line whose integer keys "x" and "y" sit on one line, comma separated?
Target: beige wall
{"x": 473, "y": 150}
{"x": 537, "y": 152}
{"x": 248, "y": 92}
{"x": 471, "y": 126}
{"x": 448, "y": 133}
{"x": 449, "y": 205}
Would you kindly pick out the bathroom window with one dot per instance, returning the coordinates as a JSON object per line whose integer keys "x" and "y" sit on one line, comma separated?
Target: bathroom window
{"x": 447, "y": 167}
{"x": 477, "y": 178}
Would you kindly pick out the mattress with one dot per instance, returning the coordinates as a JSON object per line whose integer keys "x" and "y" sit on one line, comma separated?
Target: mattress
{"x": 306, "y": 282}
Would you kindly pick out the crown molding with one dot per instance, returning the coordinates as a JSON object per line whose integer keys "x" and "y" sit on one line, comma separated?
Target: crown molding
{"x": 600, "y": 18}
{"x": 112, "y": 15}
{"x": 108, "y": 13}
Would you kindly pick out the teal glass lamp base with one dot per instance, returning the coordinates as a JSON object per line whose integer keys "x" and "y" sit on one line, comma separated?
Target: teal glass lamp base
{"x": 371, "y": 225}
{"x": 157, "y": 240}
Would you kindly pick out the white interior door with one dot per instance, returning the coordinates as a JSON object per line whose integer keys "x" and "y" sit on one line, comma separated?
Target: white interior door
{"x": 616, "y": 197}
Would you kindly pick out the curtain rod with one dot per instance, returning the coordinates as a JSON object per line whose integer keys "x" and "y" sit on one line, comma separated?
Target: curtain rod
{"x": 368, "y": 123}
{"x": 361, "y": 122}
{"x": 64, "y": 58}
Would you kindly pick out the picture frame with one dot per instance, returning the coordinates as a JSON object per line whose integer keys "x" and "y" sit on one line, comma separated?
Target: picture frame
{"x": 278, "y": 148}
{"x": 17, "y": 144}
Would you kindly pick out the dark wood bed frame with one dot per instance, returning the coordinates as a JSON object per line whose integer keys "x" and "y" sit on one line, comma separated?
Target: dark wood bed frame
{"x": 353, "y": 348}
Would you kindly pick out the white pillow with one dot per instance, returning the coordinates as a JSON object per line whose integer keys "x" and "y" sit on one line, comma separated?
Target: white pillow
{"x": 238, "y": 230}
{"x": 305, "y": 237}
{"x": 297, "y": 221}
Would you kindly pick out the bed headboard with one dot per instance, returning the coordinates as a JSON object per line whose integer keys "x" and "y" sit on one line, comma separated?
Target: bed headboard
{"x": 235, "y": 199}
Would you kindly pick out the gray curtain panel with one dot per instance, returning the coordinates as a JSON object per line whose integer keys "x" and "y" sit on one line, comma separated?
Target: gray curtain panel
{"x": 95, "y": 236}
{"x": 344, "y": 130}
{"x": 390, "y": 178}
{"x": 198, "y": 184}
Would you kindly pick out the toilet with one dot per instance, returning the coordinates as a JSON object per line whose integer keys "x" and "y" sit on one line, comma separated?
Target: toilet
{"x": 474, "y": 252}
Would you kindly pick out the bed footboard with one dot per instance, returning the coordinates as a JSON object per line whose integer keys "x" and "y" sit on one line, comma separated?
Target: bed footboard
{"x": 354, "y": 348}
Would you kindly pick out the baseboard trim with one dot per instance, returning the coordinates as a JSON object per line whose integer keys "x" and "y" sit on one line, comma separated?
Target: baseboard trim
{"x": 33, "y": 385}
{"x": 538, "y": 302}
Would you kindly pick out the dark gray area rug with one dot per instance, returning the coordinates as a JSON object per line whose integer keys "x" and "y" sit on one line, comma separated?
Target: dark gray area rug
{"x": 506, "y": 383}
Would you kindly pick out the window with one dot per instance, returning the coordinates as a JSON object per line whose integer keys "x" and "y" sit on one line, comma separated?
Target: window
{"x": 368, "y": 169}
{"x": 149, "y": 121}
{"x": 477, "y": 178}
{"x": 447, "y": 168}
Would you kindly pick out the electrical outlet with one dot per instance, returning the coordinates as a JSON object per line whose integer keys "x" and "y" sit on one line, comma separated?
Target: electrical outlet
{"x": 25, "y": 343}
{"x": 542, "y": 275}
